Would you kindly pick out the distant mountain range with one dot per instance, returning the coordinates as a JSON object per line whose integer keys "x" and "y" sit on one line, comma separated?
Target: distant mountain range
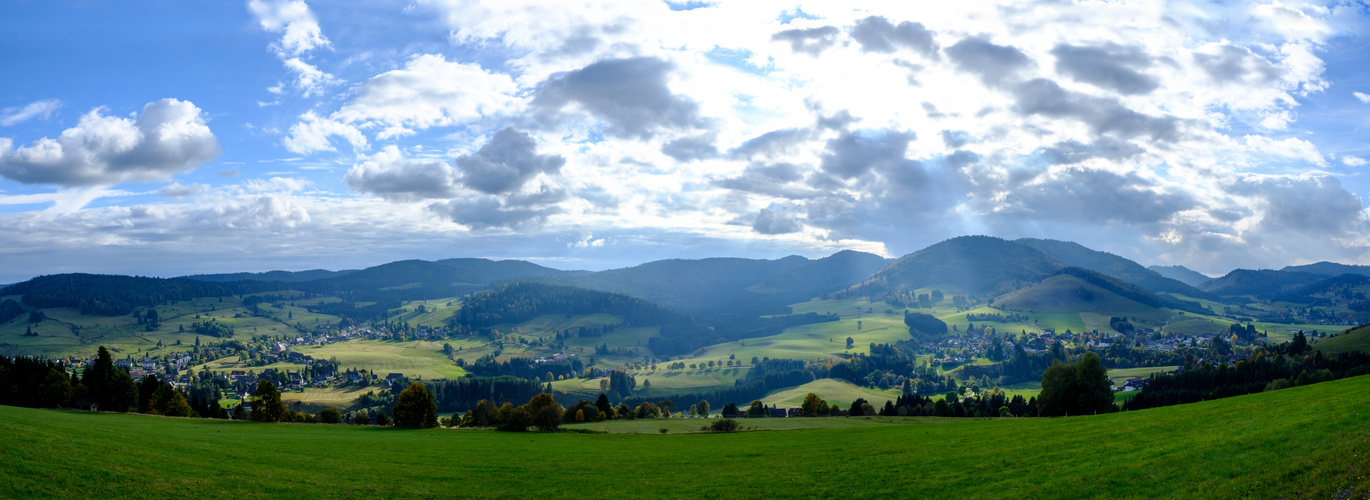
{"x": 982, "y": 267}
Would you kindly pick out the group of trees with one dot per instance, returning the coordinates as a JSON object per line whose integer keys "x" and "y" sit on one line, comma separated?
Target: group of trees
{"x": 33, "y": 382}
{"x": 1285, "y": 365}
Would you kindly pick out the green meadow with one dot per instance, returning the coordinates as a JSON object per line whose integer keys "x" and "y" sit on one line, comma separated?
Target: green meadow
{"x": 1304, "y": 442}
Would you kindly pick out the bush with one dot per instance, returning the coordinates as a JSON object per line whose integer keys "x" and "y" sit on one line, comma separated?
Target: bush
{"x": 330, "y": 416}
{"x": 724, "y": 425}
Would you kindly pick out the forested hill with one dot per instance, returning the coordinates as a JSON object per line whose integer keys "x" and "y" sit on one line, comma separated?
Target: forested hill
{"x": 1182, "y": 274}
{"x": 109, "y": 295}
{"x": 281, "y": 276}
{"x": 407, "y": 279}
{"x": 978, "y": 265}
{"x": 519, "y": 302}
{"x": 1075, "y": 254}
{"x": 1262, "y": 284}
{"x": 495, "y": 270}
{"x": 1329, "y": 269}
{"x": 731, "y": 285}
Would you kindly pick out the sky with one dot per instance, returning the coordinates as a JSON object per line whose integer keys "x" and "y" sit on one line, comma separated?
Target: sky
{"x": 164, "y": 138}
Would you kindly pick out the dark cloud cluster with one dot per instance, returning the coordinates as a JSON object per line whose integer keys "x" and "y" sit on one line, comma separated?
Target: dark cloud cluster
{"x": 775, "y": 142}
{"x": 486, "y": 212}
{"x": 855, "y": 153}
{"x": 1108, "y": 66}
{"x": 994, "y": 64}
{"x": 395, "y": 178}
{"x": 691, "y": 148}
{"x": 630, "y": 95}
{"x": 812, "y": 41}
{"x": 769, "y": 222}
{"x": 1237, "y": 64}
{"x": 506, "y": 163}
{"x": 1104, "y": 116}
{"x": 878, "y": 34}
{"x": 1071, "y": 152}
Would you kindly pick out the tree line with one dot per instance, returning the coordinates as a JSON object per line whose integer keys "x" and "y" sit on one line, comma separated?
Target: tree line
{"x": 108, "y": 295}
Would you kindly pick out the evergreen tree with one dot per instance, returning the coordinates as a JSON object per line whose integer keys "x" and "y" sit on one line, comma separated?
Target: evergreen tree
{"x": 98, "y": 377}
{"x": 122, "y": 392}
{"x": 266, "y": 404}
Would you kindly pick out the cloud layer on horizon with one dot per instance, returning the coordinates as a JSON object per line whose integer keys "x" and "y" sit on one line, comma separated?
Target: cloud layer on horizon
{"x": 1173, "y": 138}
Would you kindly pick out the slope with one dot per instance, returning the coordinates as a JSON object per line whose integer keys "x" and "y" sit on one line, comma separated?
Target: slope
{"x": 978, "y": 265}
{"x": 281, "y": 276}
{"x": 1306, "y": 442}
{"x": 495, "y": 270}
{"x": 1262, "y": 284}
{"x": 1182, "y": 274}
{"x": 1329, "y": 269}
{"x": 1075, "y": 254}
{"x": 730, "y": 285}
{"x": 1066, "y": 293}
{"x": 1355, "y": 339}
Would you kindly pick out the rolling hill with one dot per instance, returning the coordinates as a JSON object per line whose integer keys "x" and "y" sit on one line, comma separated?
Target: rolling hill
{"x": 729, "y": 285}
{"x": 1328, "y": 269}
{"x": 1262, "y": 284}
{"x": 1075, "y": 254}
{"x": 281, "y": 276}
{"x": 978, "y": 265}
{"x": 1182, "y": 274}
{"x": 1068, "y": 293}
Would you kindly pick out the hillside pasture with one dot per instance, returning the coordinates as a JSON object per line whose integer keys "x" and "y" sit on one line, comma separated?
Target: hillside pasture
{"x": 834, "y": 391}
{"x": 1304, "y": 442}
{"x": 1355, "y": 339}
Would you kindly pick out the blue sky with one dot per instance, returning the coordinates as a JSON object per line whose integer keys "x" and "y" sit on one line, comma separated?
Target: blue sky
{"x": 167, "y": 138}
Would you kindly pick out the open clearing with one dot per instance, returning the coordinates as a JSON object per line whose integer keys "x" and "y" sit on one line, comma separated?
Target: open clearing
{"x": 1302, "y": 442}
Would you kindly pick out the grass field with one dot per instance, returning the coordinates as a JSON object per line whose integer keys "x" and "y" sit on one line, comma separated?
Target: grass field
{"x": 682, "y": 425}
{"x": 1120, "y": 375}
{"x": 415, "y": 359}
{"x": 1306, "y": 442}
{"x": 67, "y": 332}
{"x": 839, "y": 392}
{"x": 1358, "y": 339}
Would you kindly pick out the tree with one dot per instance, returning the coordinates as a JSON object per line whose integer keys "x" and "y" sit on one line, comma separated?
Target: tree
{"x": 850, "y": 342}
{"x": 146, "y": 388}
{"x": 415, "y": 408}
{"x": 170, "y": 402}
{"x": 724, "y": 425}
{"x": 809, "y": 407}
{"x": 730, "y": 410}
{"x": 55, "y": 389}
{"x": 266, "y": 403}
{"x": 98, "y": 376}
{"x": 602, "y": 403}
{"x": 1080, "y": 388}
{"x": 703, "y": 408}
{"x": 546, "y": 414}
{"x": 758, "y": 409}
{"x": 330, "y": 416}
{"x": 122, "y": 392}
{"x": 513, "y": 419}
{"x": 382, "y": 419}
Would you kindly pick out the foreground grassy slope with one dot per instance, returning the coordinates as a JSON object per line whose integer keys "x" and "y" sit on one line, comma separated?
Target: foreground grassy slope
{"x": 1302, "y": 442}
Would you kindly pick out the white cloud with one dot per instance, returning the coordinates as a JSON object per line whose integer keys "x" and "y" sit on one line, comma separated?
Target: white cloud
{"x": 428, "y": 92}
{"x": 169, "y": 137}
{"x": 300, "y": 35}
{"x": 1354, "y": 161}
{"x": 1365, "y": 98}
{"x": 10, "y": 117}
{"x": 178, "y": 190}
{"x": 292, "y": 18}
